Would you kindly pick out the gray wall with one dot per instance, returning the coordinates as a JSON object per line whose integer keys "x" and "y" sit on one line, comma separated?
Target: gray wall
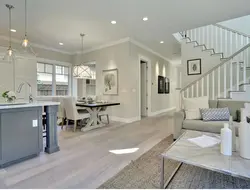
{"x": 159, "y": 66}
{"x": 125, "y": 57}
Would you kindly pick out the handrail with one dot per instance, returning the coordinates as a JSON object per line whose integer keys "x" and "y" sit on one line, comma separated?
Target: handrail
{"x": 231, "y": 30}
{"x": 217, "y": 66}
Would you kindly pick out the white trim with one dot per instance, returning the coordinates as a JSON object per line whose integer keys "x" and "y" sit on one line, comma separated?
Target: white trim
{"x": 148, "y": 49}
{"x": 162, "y": 111}
{"x": 54, "y": 62}
{"x": 109, "y": 44}
{"x": 125, "y": 120}
{"x": 123, "y": 40}
{"x": 37, "y": 45}
{"x": 148, "y": 61}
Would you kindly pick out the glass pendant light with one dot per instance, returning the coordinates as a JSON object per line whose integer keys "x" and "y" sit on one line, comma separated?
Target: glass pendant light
{"x": 26, "y": 44}
{"x": 10, "y": 55}
{"x": 82, "y": 71}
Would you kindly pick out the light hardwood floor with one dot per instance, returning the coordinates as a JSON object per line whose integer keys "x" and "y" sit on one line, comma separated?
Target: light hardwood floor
{"x": 84, "y": 160}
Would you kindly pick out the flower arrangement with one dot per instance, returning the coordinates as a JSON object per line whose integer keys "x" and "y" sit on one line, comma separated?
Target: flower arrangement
{"x": 10, "y": 96}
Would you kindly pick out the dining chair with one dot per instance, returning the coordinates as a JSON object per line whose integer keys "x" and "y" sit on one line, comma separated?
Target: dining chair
{"x": 103, "y": 112}
{"x": 72, "y": 113}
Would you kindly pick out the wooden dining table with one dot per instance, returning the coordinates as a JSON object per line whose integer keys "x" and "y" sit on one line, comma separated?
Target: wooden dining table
{"x": 94, "y": 109}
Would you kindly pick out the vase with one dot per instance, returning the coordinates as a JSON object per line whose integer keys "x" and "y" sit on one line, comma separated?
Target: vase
{"x": 9, "y": 100}
{"x": 244, "y": 132}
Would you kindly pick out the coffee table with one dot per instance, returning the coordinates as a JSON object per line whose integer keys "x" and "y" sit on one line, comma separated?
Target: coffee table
{"x": 209, "y": 158}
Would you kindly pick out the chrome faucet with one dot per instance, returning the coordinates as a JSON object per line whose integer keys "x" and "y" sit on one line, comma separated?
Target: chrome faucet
{"x": 30, "y": 87}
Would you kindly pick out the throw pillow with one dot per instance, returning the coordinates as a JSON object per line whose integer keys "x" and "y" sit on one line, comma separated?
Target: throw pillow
{"x": 193, "y": 114}
{"x": 192, "y": 106}
{"x": 215, "y": 114}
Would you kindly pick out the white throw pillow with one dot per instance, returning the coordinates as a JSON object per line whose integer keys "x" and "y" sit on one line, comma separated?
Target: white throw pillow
{"x": 193, "y": 114}
{"x": 192, "y": 106}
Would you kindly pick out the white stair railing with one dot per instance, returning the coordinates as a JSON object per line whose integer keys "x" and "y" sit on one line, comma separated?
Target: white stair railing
{"x": 218, "y": 39}
{"x": 225, "y": 77}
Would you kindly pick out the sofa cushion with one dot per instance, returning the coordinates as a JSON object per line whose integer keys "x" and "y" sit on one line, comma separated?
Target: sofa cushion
{"x": 199, "y": 125}
{"x": 232, "y": 105}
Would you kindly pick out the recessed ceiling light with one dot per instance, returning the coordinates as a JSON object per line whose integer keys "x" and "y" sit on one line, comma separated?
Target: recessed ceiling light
{"x": 162, "y": 42}
{"x": 113, "y": 22}
{"x": 145, "y": 19}
{"x": 12, "y": 30}
{"x": 61, "y": 44}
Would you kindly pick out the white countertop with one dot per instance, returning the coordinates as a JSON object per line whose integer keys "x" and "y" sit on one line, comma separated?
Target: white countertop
{"x": 5, "y": 105}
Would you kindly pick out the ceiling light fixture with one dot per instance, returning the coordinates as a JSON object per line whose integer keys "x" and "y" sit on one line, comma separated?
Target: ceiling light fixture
{"x": 26, "y": 44}
{"x": 145, "y": 19}
{"x": 162, "y": 42}
{"x": 9, "y": 56}
{"x": 12, "y": 30}
{"x": 61, "y": 44}
{"x": 113, "y": 22}
{"x": 81, "y": 70}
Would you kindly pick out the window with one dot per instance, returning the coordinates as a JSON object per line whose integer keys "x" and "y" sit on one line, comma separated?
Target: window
{"x": 44, "y": 79}
{"x": 52, "y": 80}
{"x": 62, "y": 80}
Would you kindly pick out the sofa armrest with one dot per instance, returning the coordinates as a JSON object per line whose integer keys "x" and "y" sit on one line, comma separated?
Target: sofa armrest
{"x": 178, "y": 121}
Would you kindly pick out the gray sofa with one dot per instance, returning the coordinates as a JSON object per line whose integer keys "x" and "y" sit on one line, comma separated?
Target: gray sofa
{"x": 180, "y": 123}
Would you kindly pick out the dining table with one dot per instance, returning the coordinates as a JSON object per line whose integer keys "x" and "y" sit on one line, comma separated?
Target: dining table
{"x": 94, "y": 109}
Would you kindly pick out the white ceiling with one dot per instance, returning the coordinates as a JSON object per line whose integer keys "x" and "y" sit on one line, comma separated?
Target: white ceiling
{"x": 54, "y": 21}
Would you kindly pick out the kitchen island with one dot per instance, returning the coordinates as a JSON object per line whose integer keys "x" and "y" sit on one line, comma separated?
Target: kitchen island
{"x": 21, "y": 131}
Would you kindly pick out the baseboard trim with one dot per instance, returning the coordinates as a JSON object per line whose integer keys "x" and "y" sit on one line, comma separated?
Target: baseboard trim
{"x": 124, "y": 120}
{"x": 162, "y": 111}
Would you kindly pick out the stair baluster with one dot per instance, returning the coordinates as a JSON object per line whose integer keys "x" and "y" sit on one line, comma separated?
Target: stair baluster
{"x": 237, "y": 76}
{"x": 225, "y": 81}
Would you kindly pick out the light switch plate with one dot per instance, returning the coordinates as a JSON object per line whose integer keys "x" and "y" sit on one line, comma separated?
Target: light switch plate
{"x": 34, "y": 123}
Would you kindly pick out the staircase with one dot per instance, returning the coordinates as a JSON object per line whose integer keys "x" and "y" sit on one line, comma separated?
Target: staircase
{"x": 230, "y": 78}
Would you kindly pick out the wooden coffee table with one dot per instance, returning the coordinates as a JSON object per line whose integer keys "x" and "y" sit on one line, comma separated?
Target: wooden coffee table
{"x": 209, "y": 158}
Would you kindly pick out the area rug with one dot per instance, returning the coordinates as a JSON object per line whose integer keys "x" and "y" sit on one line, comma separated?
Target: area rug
{"x": 144, "y": 173}
{"x": 191, "y": 177}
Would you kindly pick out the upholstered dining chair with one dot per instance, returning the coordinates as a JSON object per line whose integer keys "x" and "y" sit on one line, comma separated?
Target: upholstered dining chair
{"x": 72, "y": 113}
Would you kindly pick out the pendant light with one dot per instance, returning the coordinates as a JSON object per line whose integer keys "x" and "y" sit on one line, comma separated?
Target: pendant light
{"x": 82, "y": 71}
{"x": 10, "y": 55}
{"x": 26, "y": 44}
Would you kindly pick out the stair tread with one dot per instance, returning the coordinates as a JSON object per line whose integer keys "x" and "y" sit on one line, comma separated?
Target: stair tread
{"x": 200, "y": 45}
{"x": 244, "y": 84}
{"x": 236, "y": 91}
{"x": 217, "y": 53}
{"x": 192, "y": 42}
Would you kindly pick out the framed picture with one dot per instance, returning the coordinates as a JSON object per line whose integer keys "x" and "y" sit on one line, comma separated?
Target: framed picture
{"x": 194, "y": 67}
{"x": 161, "y": 84}
{"x": 110, "y": 82}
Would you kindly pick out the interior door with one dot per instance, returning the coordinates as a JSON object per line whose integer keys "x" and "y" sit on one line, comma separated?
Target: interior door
{"x": 143, "y": 89}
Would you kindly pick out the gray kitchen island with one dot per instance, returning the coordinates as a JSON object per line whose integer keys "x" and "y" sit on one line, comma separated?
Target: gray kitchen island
{"x": 21, "y": 131}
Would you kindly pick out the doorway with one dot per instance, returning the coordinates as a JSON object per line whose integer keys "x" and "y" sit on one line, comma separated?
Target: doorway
{"x": 144, "y": 88}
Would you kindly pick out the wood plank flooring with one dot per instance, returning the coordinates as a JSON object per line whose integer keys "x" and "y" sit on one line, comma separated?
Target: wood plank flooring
{"x": 84, "y": 160}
